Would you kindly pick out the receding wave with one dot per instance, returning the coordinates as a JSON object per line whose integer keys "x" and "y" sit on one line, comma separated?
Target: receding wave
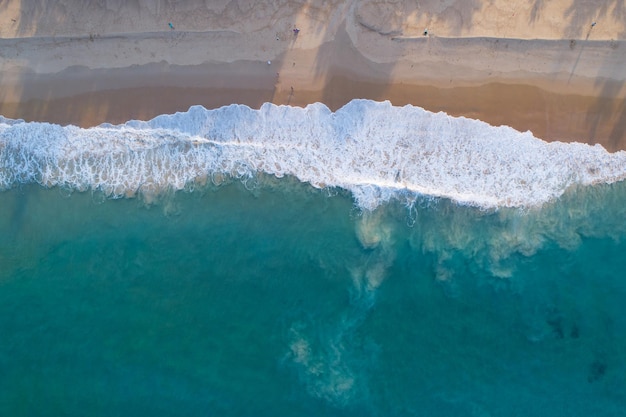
{"x": 374, "y": 150}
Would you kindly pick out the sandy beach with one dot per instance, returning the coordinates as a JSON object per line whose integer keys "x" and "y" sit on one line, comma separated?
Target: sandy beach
{"x": 554, "y": 68}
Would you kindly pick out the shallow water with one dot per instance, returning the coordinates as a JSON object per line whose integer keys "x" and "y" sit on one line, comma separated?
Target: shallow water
{"x": 288, "y": 300}
{"x": 376, "y": 261}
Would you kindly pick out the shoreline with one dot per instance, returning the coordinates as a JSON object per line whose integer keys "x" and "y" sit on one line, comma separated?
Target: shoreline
{"x": 548, "y": 70}
{"x": 87, "y": 98}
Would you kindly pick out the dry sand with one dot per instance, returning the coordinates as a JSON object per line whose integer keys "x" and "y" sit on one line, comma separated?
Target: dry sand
{"x": 531, "y": 64}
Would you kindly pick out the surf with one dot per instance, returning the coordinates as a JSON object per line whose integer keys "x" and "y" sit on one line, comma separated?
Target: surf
{"x": 374, "y": 150}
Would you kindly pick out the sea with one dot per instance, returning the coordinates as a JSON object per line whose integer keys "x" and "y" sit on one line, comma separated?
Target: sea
{"x": 285, "y": 261}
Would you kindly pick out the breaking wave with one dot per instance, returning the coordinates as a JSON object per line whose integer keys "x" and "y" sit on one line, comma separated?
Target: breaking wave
{"x": 372, "y": 149}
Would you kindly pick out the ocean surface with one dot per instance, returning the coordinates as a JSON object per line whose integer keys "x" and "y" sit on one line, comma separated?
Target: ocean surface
{"x": 375, "y": 261}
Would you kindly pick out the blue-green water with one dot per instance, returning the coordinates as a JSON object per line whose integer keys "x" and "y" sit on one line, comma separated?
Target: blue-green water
{"x": 288, "y": 301}
{"x": 374, "y": 261}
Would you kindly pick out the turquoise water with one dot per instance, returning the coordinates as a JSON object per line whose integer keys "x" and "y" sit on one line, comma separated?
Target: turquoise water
{"x": 374, "y": 261}
{"x": 274, "y": 298}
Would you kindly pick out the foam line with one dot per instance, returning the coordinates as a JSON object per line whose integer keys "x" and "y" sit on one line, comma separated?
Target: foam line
{"x": 373, "y": 149}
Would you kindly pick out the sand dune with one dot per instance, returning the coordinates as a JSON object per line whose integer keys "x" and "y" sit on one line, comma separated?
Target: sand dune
{"x": 531, "y": 64}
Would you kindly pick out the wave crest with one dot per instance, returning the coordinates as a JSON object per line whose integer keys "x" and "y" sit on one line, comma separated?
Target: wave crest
{"x": 374, "y": 150}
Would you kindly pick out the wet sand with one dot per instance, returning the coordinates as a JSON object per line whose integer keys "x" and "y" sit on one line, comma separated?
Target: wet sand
{"x": 95, "y": 99}
{"x": 546, "y": 70}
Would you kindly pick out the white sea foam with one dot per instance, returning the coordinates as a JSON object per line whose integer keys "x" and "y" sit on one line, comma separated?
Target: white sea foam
{"x": 374, "y": 150}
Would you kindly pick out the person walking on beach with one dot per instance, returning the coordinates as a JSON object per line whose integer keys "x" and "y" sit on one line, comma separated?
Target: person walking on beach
{"x": 171, "y": 25}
